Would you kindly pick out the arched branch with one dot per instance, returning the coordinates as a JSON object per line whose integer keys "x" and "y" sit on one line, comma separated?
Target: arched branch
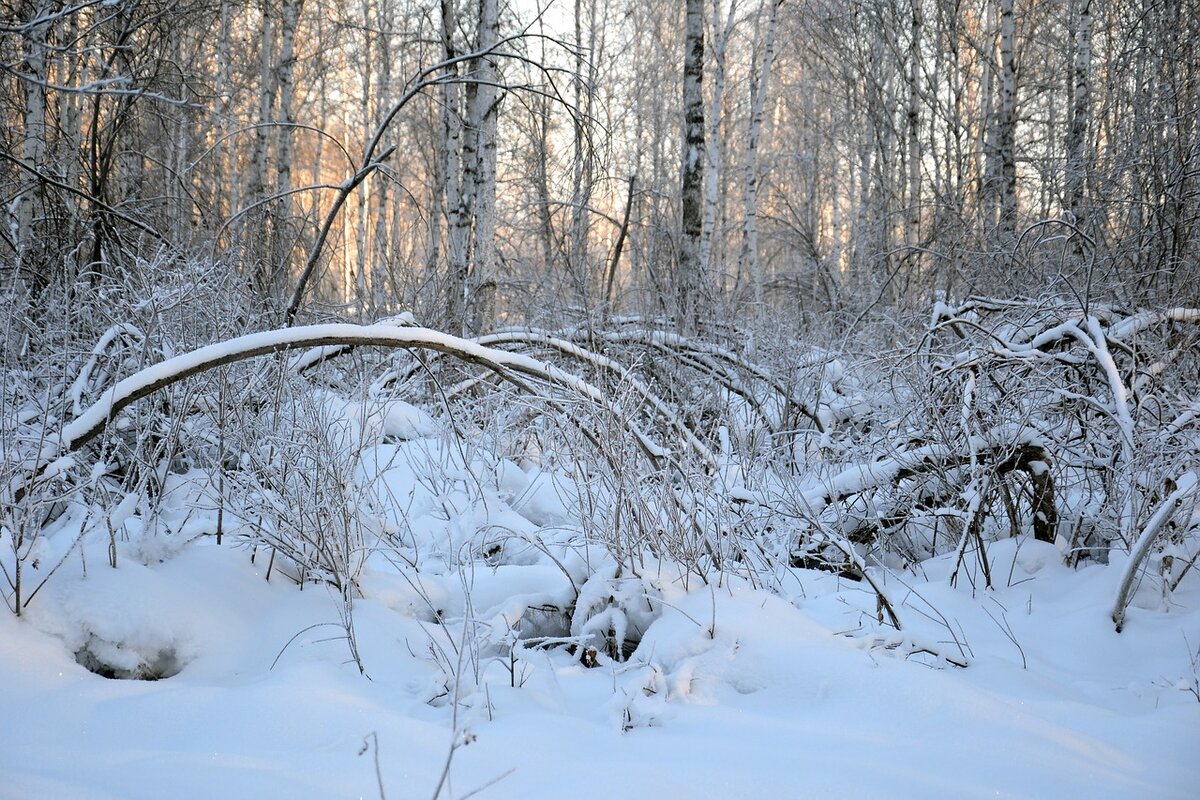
{"x": 508, "y": 366}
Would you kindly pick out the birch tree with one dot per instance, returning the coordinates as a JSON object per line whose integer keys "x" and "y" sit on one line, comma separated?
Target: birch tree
{"x": 257, "y": 188}
{"x": 913, "y": 131}
{"x": 759, "y": 80}
{"x": 1076, "y": 145}
{"x": 484, "y": 118}
{"x": 690, "y": 280}
{"x": 456, "y": 189}
{"x": 1006, "y": 122}
{"x": 285, "y": 80}
{"x": 23, "y": 207}
{"x": 722, "y": 24}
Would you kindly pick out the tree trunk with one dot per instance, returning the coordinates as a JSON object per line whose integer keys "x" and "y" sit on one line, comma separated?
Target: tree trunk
{"x": 581, "y": 183}
{"x": 722, "y": 29}
{"x": 690, "y": 279}
{"x": 758, "y": 93}
{"x": 33, "y": 148}
{"x": 483, "y": 116}
{"x": 1078, "y": 156}
{"x": 281, "y": 211}
{"x": 383, "y": 277}
{"x": 1006, "y": 123}
{"x": 913, "y": 232}
{"x": 458, "y": 221}
{"x": 363, "y": 217}
{"x": 257, "y": 188}
{"x": 225, "y": 192}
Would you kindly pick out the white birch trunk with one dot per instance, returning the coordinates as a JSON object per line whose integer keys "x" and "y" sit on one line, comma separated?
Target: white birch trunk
{"x": 484, "y": 117}
{"x": 690, "y": 280}
{"x": 257, "y": 188}
{"x": 224, "y": 197}
{"x": 759, "y": 81}
{"x": 383, "y": 284}
{"x": 988, "y": 145}
{"x": 577, "y": 255}
{"x": 23, "y": 210}
{"x": 286, "y": 71}
{"x": 1007, "y": 122}
{"x": 1078, "y": 157}
{"x": 722, "y": 29}
{"x": 458, "y": 220}
{"x": 362, "y": 226}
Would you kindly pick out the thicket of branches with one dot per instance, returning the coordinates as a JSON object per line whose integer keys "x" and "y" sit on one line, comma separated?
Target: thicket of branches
{"x": 878, "y": 282}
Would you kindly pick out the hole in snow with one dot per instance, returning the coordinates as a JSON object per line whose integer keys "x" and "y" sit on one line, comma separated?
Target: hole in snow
{"x": 117, "y": 662}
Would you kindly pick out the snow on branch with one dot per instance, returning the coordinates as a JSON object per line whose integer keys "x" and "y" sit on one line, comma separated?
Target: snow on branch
{"x": 1132, "y": 326}
{"x": 546, "y": 339}
{"x": 705, "y": 354}
{"x": 1005, "y": 449}
{"x": 93, "y": 420}
{"x": 81, "y": 384}
{"x": 1185, "y": 486}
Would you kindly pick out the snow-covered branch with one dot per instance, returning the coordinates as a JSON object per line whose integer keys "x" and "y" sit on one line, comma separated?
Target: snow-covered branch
{"x": 93, "y": 420}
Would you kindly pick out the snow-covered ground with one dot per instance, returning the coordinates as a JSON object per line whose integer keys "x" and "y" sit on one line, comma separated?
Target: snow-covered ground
{"x": 733, "y": 691}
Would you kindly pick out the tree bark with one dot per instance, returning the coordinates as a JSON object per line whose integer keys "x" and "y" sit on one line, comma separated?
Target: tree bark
{"x": 691, "y": 277}
{"x": 759, "y": 80}
{"x": 33, "y": 146}
{"x": 285, "y": 74}
{"x": 484, "y": 117}
{"x": 1078, "y": 156}
{"x": 722, "y": 30}
{"x": 1006, "y": 123}
{"x": 913, "y": 234}
{"x": 457, "y": 206}
{"x": 257, "y": 188}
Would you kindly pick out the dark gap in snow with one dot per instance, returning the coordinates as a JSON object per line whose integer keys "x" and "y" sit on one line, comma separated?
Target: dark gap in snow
{"x": 164, "y": 663}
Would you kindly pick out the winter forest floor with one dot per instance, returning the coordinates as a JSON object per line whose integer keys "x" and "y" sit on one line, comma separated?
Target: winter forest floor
{"x": 781, "y": 702}
{"x": 338, "y": 593}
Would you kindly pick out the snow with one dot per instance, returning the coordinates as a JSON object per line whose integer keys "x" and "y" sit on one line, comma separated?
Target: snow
{"x": 477, "y": 583}
{"x": 732, "y": 692}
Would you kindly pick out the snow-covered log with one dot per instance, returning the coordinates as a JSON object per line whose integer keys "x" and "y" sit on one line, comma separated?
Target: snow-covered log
{"x": 1022, "y": 452}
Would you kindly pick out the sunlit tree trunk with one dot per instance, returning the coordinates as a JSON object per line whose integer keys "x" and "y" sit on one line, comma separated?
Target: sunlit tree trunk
{"x": 458, "y": 221}
{"x": 383, "y": 278}
{"x": 285, "y": 81}
{"x": 483, "y": 117}
{"x": 225, "y": 188}
{"x": 578, "y": 262}
{"x": 33, "y": 144}
{"x": 722, "y": 29}
{"x": 257, "y": 188}
{"x": 364, "y": 220}
{"x": 759, "y": 80}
